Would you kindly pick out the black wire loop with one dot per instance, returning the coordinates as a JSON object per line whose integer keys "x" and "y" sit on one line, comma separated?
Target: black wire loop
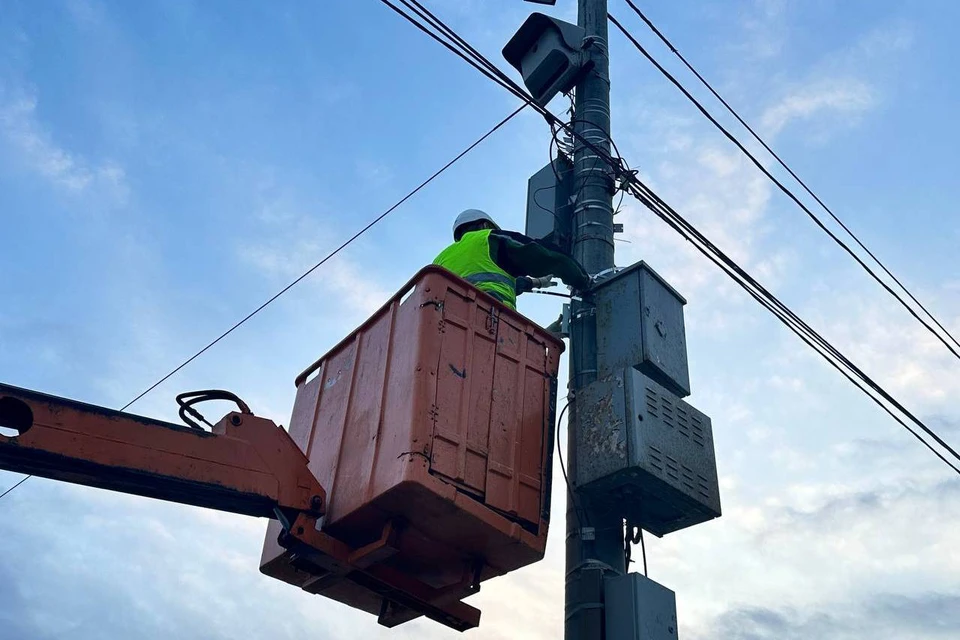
{"x": 190, "y": 416}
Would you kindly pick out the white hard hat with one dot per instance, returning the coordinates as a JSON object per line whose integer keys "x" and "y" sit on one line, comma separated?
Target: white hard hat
{"x": 472, "y": 215}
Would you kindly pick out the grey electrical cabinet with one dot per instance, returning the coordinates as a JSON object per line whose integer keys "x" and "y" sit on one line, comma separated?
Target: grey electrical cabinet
{"x": 646, "y": 453}
{"x": 640, "y": 325}
{"x": 549, "y": 205}
{"x": 637, "y": 608}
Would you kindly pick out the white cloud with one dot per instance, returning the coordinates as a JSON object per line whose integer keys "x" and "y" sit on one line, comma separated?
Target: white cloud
{"x": 885, "y": 39}
{"x": 35, "y": 149}
{"x": 892, "y": 347}
{"x": 289, "y": 243}
{"x": 849, "y": 97}
{"x": 764, "y": 33}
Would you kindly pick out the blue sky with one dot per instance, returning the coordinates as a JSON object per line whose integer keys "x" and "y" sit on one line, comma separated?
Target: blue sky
{"x": 167, "y": 166}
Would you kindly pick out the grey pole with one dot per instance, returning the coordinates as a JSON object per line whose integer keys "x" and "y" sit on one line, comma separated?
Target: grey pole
{"x": 594, "y": 537}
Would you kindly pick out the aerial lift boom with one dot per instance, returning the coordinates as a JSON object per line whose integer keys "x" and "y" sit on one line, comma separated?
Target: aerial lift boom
{"x": 245, "y": 465}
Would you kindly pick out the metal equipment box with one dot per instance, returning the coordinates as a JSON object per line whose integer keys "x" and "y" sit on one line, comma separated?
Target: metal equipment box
{"x": 652, "y": 455}
{"x": 431, "y": 426}
{"x": 550, "y": 206}
{"x": 640, "y": 324}
{"x": 637, "y": 608}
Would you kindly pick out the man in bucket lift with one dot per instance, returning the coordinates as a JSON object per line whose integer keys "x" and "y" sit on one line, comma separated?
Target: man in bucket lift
{"x": 505, "y": 264}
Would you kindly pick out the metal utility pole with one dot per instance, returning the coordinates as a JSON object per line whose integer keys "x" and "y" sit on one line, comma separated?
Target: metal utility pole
{"x": 594, "y": 536}
{"x": 638, "y": 453}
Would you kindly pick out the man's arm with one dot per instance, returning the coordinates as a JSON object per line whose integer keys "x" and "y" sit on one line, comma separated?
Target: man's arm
{"x": 520, "y": 256}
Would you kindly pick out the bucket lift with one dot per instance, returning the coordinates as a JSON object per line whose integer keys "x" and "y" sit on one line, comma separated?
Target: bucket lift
{"x": 417, "y": 464}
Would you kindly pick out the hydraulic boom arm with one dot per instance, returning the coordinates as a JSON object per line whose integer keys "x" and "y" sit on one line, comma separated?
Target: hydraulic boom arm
{"x": 245, "y": 465}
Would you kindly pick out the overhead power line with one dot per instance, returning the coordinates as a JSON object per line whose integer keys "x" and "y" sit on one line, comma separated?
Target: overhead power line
{"x": 22, "y": 480}
{"x": 816, "y": 219}
{"x": 791, "y": 320}
{"x": 462, "y": 49}
{"x": 646, "y": 196}
{"x": 783, "y": 164}
{"x": 306, "y": 273}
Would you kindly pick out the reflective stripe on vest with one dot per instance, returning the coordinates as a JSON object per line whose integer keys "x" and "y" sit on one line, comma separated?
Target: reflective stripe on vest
{"x": 477, "y": 278}
{"x": 470, "y": 259}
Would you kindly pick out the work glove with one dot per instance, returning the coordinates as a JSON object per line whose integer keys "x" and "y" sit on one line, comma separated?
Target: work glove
{"x": 526, "y": 283}
{"x": 543, "y": 283}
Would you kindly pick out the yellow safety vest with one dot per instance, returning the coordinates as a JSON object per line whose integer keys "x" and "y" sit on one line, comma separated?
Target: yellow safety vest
{"x": 470, "y": 259}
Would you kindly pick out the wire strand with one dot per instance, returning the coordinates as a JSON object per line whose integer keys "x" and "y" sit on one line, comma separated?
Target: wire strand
{"x": 563, "y": 469}
{"x": 643, "y": 550}
{"x": 786, "y": 191}
{"x": 788, "y": 169}
{"x": 789, "y": 318}
{"x": 22, "y": 480}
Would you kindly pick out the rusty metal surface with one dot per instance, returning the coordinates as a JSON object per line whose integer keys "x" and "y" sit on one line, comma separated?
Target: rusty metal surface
{"x": 652, "y": 454}
{"x": 433, "y": 415}
{"x": 330, "y": 562}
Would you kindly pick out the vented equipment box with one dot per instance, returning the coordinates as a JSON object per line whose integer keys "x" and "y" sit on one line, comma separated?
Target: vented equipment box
{"x": 652, "y": 454}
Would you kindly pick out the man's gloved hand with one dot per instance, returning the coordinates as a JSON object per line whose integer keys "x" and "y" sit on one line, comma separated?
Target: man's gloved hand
{"x": 543, "y": 283}
{"x": 526, "y": 283}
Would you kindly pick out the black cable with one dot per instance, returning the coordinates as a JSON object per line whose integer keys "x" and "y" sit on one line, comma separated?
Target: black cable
{"x": 560, "y": 152}
{"x": 453, "y": 42}
{"x": 781, "y": 310}
{"x": 470, "y": 56}
{"x": 190, "y": 415}
{"x": 540, "y": 206}
{"x": 633, "y": 534}
{"x": 783, "y": 164}
{"x": 462, "y": 49}
{"x": 551, "y": 293}
{"x": 314, "y": 267}
{"x": 781, "y": 186}
{"x": 563, "y": 468}
{"x": 791, "y": 320}
{"x": 22, "y": 480}
{"x": 643, "y": 549}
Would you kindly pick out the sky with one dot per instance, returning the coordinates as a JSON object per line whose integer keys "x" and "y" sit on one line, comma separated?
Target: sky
{"x": 165, "y": 167}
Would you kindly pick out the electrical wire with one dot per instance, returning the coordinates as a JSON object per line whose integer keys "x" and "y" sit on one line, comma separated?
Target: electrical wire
{"x": 633, "y": 534}
{"x": 330, "y": 255}
{"x": 552, "y": 293}
{"x": 790, "y": 319}
{"x": 454, "y": 43}
{"x": 643, "y": 549}
{"x": 786, "y": 191}
{"x": 573, "y": 496}
{"x": 22, "y": 480}
{"x": 462, "y": 49}
{"x": 790, "y": 171}
{"x": 641, "y": 192}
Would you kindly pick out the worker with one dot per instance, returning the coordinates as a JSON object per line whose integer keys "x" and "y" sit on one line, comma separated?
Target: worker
{"x": 505, "y": 264}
